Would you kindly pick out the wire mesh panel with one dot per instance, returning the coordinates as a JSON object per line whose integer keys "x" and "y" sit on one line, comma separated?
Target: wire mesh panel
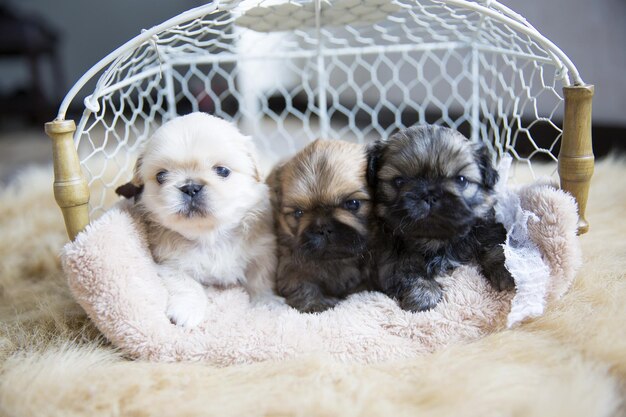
{"x": 288, "y": 72}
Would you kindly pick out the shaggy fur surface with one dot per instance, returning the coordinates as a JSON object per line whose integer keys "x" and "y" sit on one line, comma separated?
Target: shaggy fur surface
{"x": 570, "y": 361}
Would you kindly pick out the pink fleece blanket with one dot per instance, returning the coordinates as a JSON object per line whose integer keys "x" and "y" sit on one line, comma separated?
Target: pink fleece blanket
{"x": 113, "y": 277}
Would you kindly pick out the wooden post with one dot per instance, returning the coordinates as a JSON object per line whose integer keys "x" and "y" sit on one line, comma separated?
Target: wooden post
{"x": 576, "y": 157}
{"x": 70, "y": 187}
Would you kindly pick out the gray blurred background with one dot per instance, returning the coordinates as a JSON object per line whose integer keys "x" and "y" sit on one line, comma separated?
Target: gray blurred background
{"x": 591, "y": 33}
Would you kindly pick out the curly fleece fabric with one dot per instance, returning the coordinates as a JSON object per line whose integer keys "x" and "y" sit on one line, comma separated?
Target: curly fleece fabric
{"x": 112, "y": 276}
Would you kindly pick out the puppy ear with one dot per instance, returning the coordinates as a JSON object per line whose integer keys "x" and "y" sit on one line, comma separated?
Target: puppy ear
{"x": 487, "y": 169}
{"x": 134, "y": 188}
{"x": 274, "y": 182}
{"x": 251, "y": 154}
{"x": 255, "y": 163}
{"x": 374, "y": 154}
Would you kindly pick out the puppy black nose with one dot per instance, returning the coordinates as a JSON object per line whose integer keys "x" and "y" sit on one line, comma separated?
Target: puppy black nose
{"x": 431, "y": 199}
{"x": 428, "y": 193}
{"x": 191, "y": 188}
{"x": 323, "y": 229}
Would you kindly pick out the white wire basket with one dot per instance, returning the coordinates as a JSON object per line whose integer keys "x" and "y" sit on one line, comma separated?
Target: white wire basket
{"x": 287, "y": 72}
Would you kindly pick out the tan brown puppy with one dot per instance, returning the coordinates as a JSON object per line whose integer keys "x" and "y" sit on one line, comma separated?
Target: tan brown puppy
{"x": 322, "y": 213}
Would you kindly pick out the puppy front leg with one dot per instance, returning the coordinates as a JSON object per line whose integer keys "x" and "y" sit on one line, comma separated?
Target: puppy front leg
{"x": 411, "y": 288}
{"x": 490, "y": 236}
{"x": 416, "y": 293}
{"x": 491, "y": 262}
{"x": 260, "y": 281}
{"x": 304, "y": 295}
{"x": 261, "y": 269}
{"x": 187, "y": 301}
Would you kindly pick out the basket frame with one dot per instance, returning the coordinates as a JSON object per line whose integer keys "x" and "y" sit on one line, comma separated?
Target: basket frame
{"x": 575, "y": 160}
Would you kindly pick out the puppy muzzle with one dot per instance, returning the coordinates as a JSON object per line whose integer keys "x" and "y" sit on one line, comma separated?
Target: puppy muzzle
{"x": 191, "y": 189}
{"x": 320, "y": 234}
{"x": 330, "y": 240}
{"x": 192, "y": 196}
{"x": 420, "y": 203}
{"x": 441, "y": 219}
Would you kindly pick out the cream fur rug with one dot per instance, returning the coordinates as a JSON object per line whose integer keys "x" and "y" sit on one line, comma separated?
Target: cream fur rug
{"x": 571, "y": 361}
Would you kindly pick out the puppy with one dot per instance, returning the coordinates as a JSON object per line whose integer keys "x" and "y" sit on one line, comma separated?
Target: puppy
{"x": 206, "y": 213}
{"x": 434, "y": 199}
{"x": 322, "y": 213}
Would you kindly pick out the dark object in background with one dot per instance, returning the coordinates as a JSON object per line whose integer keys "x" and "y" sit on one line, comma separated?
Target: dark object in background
{"x": 31, "y": 40}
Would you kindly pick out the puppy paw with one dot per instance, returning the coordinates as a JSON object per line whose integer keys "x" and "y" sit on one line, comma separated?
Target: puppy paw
{"x": 268, "y": 299}
{"x": 492, "y": 265}
{"x": 316, "y": 305}
{"x": 186, "y": 310}
{"x": 500, "y": 278}
{"x": 423, "y": 295}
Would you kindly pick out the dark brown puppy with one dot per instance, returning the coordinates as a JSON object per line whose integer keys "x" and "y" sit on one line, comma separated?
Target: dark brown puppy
{"x": 322, "y": 213}
{"x": 434, "y": 198}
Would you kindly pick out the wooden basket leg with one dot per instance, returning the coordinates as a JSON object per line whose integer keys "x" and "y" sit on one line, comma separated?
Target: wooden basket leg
{"x": 576, "y": 159}
{"x": 70, "y": 187}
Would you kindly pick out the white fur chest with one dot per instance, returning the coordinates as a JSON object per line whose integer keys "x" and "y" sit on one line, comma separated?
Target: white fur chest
{"x": 218, "y": 261}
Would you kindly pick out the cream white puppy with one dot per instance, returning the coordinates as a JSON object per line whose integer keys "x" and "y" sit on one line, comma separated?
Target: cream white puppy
{"x": 206, "y": 212}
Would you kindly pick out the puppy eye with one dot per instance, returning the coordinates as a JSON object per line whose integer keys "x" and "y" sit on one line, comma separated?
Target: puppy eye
{"x": 222, "y": 171}
{"x": 298, "y": 213}
{"x": 399, "y": 181}
{"x": 352, "y": 205}
{"x": 160, "y": 176}
{"x": 462, "y": 181}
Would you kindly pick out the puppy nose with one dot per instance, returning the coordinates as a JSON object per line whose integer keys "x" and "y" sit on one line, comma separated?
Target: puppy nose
{"x": 428, "y": 197}
{"x": 431, "y": 194}
{"x": 191, "y": 188}
{"x": 324, "y": 229}
{"x": 431, "y": 198}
